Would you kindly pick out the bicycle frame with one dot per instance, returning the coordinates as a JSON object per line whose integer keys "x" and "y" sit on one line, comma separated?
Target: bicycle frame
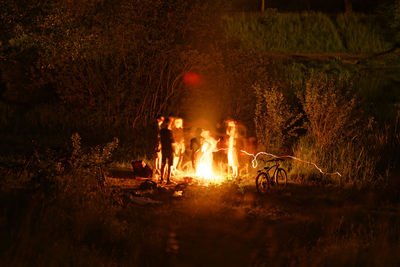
{"x": 268, "y": 169}
{"x": 264, "y": 179}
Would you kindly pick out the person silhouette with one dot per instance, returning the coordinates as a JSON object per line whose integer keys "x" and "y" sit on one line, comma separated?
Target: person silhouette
{"x": 157, "y": 148}
{"x": 166, "y": 149}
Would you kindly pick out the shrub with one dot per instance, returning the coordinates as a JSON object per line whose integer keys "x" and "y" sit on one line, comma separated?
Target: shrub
{"x": 338, "y": 139}
{"x": 276, "y": 121}
{"x": 330, "y": 108}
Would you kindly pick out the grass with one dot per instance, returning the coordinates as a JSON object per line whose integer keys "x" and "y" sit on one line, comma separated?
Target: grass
{"x": 307, "y": 32}
{"x": 361, "y": 33}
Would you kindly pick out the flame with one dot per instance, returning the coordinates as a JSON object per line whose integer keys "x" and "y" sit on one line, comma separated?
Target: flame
{"x": 204, "y": 168}
{"x": 204, "y": 171}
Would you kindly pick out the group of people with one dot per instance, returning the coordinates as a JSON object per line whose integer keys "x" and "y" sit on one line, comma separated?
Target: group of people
{"x": 170, "y": 147}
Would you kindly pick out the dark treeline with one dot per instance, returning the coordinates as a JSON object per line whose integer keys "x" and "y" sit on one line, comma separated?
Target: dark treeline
{"x": 95, "y": 66}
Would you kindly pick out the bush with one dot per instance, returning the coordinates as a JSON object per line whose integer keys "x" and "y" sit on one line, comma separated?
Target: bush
{"x": 339, "y": 140}
{"x": 275, "y": 120}
{"x": 63, "y": 215}
{"x": 330, "y": 110}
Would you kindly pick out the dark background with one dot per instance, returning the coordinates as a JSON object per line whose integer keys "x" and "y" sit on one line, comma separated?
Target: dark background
{"x": 331, "y": 6}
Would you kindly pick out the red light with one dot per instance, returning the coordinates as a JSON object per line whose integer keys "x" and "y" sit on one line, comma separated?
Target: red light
{"x": 191, "y": 79}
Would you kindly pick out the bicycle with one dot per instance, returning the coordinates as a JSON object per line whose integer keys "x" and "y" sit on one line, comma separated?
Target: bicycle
{"x": 264, "y": 181}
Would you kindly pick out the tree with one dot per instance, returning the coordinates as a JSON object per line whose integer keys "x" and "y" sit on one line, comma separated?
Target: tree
{"x": 113, "y": 64}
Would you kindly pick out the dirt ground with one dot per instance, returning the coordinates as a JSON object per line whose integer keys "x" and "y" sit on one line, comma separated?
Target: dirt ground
{"x": 300, "y": 224}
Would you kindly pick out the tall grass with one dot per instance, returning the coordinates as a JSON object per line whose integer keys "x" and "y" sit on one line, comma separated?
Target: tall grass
{"x": 363, "y": 151}
{"x": 347, "y": 164}
{"x": 307, "y": 32}
{"x": 329, "y": 124}
{"x": 361, "y": 33}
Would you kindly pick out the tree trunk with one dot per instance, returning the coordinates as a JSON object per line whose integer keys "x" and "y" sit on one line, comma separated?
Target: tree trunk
{"x": 262, "y": 5}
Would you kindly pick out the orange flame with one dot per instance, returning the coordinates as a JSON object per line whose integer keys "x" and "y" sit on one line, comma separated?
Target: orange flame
{"x": 204, "y": 168}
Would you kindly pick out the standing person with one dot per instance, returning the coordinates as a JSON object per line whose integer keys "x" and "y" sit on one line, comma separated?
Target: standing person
{"x": 157, "y": 149}
{"x": 179, "y": 145}
{"x": 233, "y": 161}
{"x": 166, "y": 149}
{"x": 195, "y": 147}
{"x": 220, "y": 155}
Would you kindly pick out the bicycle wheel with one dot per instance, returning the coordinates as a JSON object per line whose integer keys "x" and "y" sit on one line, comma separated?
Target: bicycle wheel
{"x": 281, "y": 177}
{"x": 262, "y": 182}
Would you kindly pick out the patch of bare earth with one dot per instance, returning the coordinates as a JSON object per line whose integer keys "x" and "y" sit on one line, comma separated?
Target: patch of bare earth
{"x": 233, "y": 225}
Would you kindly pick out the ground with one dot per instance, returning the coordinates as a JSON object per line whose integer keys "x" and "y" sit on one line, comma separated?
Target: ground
{"x": 123, "y": 224}
{"x": 301, "y": 224}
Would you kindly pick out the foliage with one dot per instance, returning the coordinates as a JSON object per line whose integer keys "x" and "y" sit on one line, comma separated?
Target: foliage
{"x": 356, "y": 159}
{"x": 361, "y": 33}
{"x": 378, "y": 91}
{"x": 120, "y": 72}
{"x": 243, "y": 68}
{"x": 329, "y": 107}
{"x": 390, "y": 14}
{"x": 396, "y": 19}
{"x": 114, "y": 65}
{"x": 276, "y": 121}
{"x": 308, "y": 32}
{"x": 107, "y": 69}
{"x": 339, "y": 139}
{"x": 92, "y": 161}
